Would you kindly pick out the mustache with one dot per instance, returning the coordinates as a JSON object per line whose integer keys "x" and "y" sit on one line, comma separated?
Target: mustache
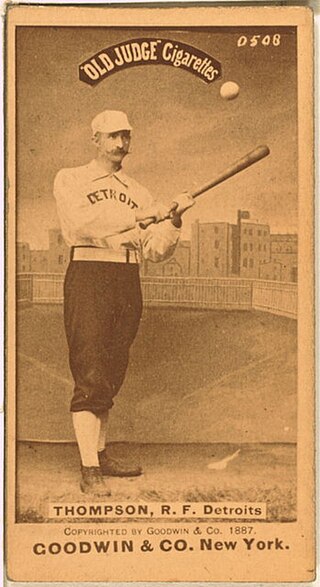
{"x": 121, "y": 151}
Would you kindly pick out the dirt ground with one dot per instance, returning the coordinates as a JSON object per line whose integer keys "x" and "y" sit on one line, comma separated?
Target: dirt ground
{"x": 172, "y": 472}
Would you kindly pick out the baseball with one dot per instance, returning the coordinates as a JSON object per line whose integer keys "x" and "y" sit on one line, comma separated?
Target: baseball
{"x": 229, "y": 90}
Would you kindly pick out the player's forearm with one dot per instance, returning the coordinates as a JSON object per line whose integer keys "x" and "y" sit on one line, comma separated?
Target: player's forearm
{"x": 84, "y": 224}
{"x": 100, "y": 229}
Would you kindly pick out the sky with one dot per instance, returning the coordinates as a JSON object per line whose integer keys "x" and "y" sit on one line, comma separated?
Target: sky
{"x": 184, "y": 133}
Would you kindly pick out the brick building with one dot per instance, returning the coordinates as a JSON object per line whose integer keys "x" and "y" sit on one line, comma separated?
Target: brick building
{"x": 52, "y": 260}
{"x": 59, "y": 253}
{"x": 220, "y": 249}
{"x": 283, "y": 265}
{"x": 254, "y": 248}
{"x": 39, "y": 261}
{"x": 271, "y": 270}
{"x": 23, "y": 262}
{"x": 212, "y": 249}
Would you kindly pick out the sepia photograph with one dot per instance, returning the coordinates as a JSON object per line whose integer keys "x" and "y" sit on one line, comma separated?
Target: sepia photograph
{"x": 161, "y": 235}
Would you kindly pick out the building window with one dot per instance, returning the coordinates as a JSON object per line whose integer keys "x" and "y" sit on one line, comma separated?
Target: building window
{"x": 216, "y": 229}
{"x": 245, "y": 262}
{"x": 216, "y": 244}
{"x": 265, "y": 233}
{"x": 216, "y": 261}
{"x": 251, "y": 247}
{"x": 294, "y": 274}
{"x": 60, "y": 260}
{"x": 59, "y": 239}
{"x": 259, "y": 247}
{"x": 259, "y": 232}
{"x": 264, "y": 247}
{"x": 245, "y": 246}
{"x": 251, "y": 263}
{"x": 244, "y": 231}
{"x": 250, "y": 231}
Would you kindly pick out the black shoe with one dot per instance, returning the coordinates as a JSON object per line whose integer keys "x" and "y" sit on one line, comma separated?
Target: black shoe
{"x": 92, "y": 482}
{"x": 114, "y": 468}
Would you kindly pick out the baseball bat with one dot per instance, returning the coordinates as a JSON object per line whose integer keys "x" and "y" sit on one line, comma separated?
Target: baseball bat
{"x": 253, "y": 157}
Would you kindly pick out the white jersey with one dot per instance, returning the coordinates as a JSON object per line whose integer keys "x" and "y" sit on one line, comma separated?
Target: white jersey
{"x": 100, "y": 209}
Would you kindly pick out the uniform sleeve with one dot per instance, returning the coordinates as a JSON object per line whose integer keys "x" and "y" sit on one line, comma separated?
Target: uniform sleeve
{"x": 85, "y": 221}
{"x": 158, "y": 241}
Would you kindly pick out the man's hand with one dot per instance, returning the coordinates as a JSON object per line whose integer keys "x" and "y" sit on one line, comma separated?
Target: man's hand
{"x": 157, "y": 212}
{"x": 182, "y": 202}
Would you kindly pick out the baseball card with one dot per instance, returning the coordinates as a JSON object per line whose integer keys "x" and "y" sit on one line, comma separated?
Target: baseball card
{"x": 160, "y": 305}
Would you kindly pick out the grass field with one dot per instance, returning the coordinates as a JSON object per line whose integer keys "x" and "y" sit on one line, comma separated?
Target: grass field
{"x": 200, "y": 385}
{"x": 194, "y": 376}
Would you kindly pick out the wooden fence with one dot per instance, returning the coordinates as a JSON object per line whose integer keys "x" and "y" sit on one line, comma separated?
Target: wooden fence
{"x": 233, "y": 293}
{"x": 276, "y": 297}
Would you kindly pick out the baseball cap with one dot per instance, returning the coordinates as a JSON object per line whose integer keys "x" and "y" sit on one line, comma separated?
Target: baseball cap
{"x": 110, "y": 121}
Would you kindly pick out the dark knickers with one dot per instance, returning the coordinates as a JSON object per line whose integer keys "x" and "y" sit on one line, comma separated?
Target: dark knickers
{"x": 102, "y": 311}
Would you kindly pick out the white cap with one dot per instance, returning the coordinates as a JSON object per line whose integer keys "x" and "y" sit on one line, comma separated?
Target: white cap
{"x": 110, "y": 121}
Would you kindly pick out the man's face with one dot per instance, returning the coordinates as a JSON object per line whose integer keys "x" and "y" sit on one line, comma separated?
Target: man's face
{"x": 113, "y": 146}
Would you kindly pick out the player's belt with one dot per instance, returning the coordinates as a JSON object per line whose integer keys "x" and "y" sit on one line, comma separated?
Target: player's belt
{"x": 100, "y": 254}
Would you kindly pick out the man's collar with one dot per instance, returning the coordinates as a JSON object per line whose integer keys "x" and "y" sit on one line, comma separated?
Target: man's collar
{"x": 98, "y": 173}
{"x": 122, "y": 177}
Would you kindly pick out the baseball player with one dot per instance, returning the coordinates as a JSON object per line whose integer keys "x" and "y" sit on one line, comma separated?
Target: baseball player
{"x": 100, "y": 208}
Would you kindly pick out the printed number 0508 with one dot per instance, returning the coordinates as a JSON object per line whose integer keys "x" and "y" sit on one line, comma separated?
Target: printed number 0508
{"x": 255, "y": 40}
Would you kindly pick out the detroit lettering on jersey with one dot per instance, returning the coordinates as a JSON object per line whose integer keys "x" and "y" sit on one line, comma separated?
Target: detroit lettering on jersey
{"x": 100, "y": 211}
{"x": 111, "y": 194}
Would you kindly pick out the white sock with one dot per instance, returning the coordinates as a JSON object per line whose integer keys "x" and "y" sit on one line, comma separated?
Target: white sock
{"x": 87, "y": 429}
{"x": 103, "y": 431}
